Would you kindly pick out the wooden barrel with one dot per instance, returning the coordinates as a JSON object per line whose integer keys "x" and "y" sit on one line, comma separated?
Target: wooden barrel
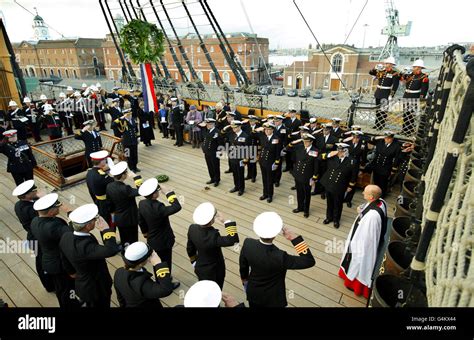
{"x": 403, "y": 207}
{"x": 400, "y": 225}
{"x": 413, "y": 175}
{"x": 394, "y": 291}
{"x": 398, "y": 258}
{"x": 409, "y": 188}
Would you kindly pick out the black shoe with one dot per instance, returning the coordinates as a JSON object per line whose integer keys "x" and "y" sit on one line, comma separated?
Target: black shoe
{"x": 228, "y": 171}
{"x": 233, "y": 190}
{"x": 277, "y": 184}
{"x": 323, "y": 196}
{"x": 313, "y": 194}
{"x": 210, "y": 182}
{"x": 296, "y": 210}
{"x": 136, "y": 170}
{"x": 286, "y": 170}
{"x": 175, "y": 144}
{"x": 253, "y": 180}
{"x": 269, "y": 199}
{"x": 336, "y": 225}
{"x": 216, "y": 183}
{"x": 247, "y": 178}
{"x": 176, "y": 284}
{"x": 327, "y": 221}
{"x": 349, "y": 204}
{"x": 263, "y": 197}
{"x": 241, "y": 193}
{"x": 306, "y": 215}
{"x": 293, "y": 188}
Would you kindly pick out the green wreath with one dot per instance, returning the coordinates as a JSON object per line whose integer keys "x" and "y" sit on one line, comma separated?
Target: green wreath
{"x": 142, "y": 41}
{"x": 162, "y": 178}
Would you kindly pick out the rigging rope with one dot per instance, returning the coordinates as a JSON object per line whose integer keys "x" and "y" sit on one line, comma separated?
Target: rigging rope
{"x": 321, "y": 47}
{"x": 256, "y": 42}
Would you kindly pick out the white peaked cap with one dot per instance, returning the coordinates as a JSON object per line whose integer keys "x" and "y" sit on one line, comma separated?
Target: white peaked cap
{"x": 203, "y": 293}
{"x": 26, "y": 100}
{"x": 268, "y": 224}
{"x": 43, "y": 97}
{"x": 12, "y": 103}
{"x": 23, "y": 188}
{"x": 69, "y": 88}
{"x": 419, "y": 63}
{"x": 118, "y": 168}
{"x": 204, "y": 213}
{"x": 85, "y": 213}
{"x": 98, "y": 155}
{"x": 46, "y": 202}
{"x": 148, "y": 187}
{"x": 390, "y": 60}
{"x": 137, "y": 252}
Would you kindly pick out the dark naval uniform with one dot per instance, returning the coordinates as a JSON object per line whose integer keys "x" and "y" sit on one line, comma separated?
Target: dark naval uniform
{"x": 122, "y": 199}
{"x": 129, "y": 133}
{"x": 20, "y": 160}
{"x": 339, "y": 176}
{"x": 388, "y": 82}
{"x": 417, "y": 86}
{"x": 211, "y": 141}
{"x": 291, "y": 126}
{"x": 35, "y": 118}
{"x": 204, "y": 249}
{"x": 269, "y": 160}
{"x": 19, "y": 123}
{"x": 48, "y": 231}
{"x": 153, "y": 218}
{"x": 87, "y": 256}
{"x": 177, "y": 120}
{"x": 115, "y": 113}
{"x": 280, "y": 130}
{"x": 264, "y": 267}
{"x": 97, "y": 181}
{"x": 254, "y": 143}
{"x": 385, "y": 163}
{"x": 324, "y": 144}
{"x": 53, "y": 123}
{"x": 307, "y": 165}
{"x": 25, "y": 213}
{"x": 92, "y": 142}
{"x": 358, "y": 153}
{"x": 239, "y": 145}
{"x": 136, "y": 289}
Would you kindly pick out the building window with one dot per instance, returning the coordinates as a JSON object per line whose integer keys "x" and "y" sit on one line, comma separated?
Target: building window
{"x": 198, "y": 50}
{"x": 199, "y": 62}
{"x": 188, "y": 75}
{"x": 51, "y": 72}
{"x": 185, "y": 50}
{"x": 59, "y": 74}
{"x": 308, "y": 80}
{"x": 240, "y": 48}
{"x": 326, "y": 82}
{"x": 211, "y": 49}
{"x": 212, "y": 78}
{"x": 44, "y": 73}
{"x": 226, "y": 77}
{"x": 67, "y": 74}
{"x": 337, "y": 61}
{"x": 225, "y": 62}
{"x": 289, "y": 81}
{"x": 176, "y": 75}
{"x": 200, "y": 76}
{"x": 111, "y": 75}
{"x": 412, "y": 59}
{"x": 82, "y": 51}
{"x": 75, "y": 74}
{"x": 93, "y": 51}
{"x": 108, "y": 51}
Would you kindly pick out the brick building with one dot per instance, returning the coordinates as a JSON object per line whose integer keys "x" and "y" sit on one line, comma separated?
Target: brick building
{"x": 63, "y": 58}
{"x": 243, "y": 44}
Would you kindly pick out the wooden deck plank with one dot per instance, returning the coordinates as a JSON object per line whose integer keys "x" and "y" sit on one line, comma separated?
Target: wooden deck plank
{"x": 16, "y": 289}
{"x": 316, "y": 286}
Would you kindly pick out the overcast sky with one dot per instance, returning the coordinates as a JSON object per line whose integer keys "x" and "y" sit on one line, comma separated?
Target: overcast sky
{"x": 434, "y": 22}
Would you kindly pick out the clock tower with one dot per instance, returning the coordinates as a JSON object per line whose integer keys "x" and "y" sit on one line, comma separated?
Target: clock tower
{"x": 41, "y": 31}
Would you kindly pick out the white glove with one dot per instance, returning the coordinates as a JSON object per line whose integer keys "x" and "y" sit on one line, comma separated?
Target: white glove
{"x": 194, "y": 264}
{"x": 274, "y": 166}
{"x": 390, "y": 98}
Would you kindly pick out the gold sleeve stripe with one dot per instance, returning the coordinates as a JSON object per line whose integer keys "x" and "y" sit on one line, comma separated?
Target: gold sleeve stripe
{"x": 301, "y": 247}
{"x": 352, "y": 183}
{"x": 162, "y": 272}
{"x": 101, "y": 198}
{"x": 108, "y": 235}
